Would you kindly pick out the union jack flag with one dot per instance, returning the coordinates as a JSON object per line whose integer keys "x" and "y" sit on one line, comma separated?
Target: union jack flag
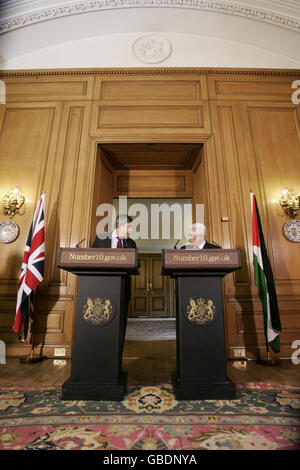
{"x": 32, "y": 271}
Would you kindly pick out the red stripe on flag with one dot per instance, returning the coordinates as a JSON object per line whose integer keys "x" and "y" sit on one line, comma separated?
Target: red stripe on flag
{"x": 20, "y": 280}
{"x": 25, "y": 257}
{"x": 31, "y": 280}
{"x": 37, "y": 240}
{"x": 255, "y": 232}
{"x": 18, "y": 322}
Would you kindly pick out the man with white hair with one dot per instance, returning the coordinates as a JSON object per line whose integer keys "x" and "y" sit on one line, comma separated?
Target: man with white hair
{"x": 196, "y": 237}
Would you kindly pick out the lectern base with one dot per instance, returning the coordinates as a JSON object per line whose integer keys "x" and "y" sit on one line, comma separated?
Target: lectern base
{"x": 203, "y": 390}
{"x": 94, "y": 391}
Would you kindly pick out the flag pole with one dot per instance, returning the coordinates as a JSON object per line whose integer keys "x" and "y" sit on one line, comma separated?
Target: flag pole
{"x": 270, "y": 360}
{"x": 32, "y": 358}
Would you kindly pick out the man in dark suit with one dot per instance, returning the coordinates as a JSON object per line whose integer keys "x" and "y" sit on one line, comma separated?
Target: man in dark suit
{"x": 119, "y": 238}
{"x": 196, "y": 237}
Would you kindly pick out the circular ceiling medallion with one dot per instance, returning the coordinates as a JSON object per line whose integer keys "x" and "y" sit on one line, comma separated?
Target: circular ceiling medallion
{"x": 152, "y": 49}
{"x": 292, "y": 230}
{"x": 8, "y": 231}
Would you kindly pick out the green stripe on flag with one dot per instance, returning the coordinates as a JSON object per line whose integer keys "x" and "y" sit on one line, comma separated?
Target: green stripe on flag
{"x": 260, "y": 281}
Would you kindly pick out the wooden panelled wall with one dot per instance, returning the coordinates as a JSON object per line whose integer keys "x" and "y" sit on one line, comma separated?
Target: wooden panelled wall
{"x": 51, "y": 126}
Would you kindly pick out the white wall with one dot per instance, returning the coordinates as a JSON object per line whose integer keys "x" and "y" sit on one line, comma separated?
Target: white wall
{"x": 115, "y": 50}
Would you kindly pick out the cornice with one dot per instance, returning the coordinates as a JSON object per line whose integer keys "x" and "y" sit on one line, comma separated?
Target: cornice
{"x": 149, "y": 71}
{"x": 77, "y": 7}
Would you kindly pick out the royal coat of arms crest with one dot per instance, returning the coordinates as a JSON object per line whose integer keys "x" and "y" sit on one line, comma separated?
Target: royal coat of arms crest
{"x": 200, "y": 312}
{"x": 98, "y": 312}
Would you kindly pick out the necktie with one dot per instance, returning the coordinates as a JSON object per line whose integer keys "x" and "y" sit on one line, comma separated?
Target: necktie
{"x": 119, "y": 244}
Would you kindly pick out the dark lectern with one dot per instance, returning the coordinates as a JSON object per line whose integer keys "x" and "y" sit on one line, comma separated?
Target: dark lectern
{"x": 200, "y": 343}
{"x": 100, "y": 321}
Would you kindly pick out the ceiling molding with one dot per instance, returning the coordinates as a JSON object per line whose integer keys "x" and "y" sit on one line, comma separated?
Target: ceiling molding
{"x": 237, "y": 8}
{"x": 151, "y": 71}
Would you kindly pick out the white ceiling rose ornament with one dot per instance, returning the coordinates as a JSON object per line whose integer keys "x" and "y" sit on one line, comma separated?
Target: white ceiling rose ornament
{"x": 17, "y": 13}
{"x": 152, "y": 49}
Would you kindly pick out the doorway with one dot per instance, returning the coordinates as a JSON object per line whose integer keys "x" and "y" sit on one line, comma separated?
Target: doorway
{"x": 154, "y": 172}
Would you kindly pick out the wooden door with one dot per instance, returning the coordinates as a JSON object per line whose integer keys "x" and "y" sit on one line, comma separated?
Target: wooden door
{"x": 152, "y": 295}
{"x": 139, "y": 304}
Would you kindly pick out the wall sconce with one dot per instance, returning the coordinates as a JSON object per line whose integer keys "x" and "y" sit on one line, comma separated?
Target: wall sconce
{"x": 290, "y": 202}
{"x": 12, "y": 201}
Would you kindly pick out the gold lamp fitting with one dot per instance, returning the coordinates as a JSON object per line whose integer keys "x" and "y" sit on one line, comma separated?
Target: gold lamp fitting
{"x": 290, "y": 202}
{"x": 12, "y": 201}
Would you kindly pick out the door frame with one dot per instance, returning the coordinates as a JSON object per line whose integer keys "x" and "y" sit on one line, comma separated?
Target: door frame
{"x": 213, "y": 203}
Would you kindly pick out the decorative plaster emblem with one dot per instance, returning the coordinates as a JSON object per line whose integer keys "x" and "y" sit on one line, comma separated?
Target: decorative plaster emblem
{"x": 152, "y": 49}
{"x": 77, "y": 7}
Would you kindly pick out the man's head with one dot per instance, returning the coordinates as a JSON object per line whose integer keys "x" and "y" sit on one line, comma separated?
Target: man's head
{"x": 197, "y": 234}
{"x": 123, "y": 225}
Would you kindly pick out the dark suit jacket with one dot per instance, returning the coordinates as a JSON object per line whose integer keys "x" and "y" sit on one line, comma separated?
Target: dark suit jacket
{"x": 106, "y": 243}
{"x": 206, "y": 247}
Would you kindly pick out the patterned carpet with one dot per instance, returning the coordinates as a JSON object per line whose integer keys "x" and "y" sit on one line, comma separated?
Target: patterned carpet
{"x": 263, "y": 417}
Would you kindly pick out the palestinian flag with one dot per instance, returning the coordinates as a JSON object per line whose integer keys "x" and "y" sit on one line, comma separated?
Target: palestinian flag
{"x": 264, "y": 280}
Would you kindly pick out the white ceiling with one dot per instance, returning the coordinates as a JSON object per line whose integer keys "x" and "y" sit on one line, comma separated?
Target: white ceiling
{"x": 18, "y": 13}
{"x": 100, "y": 33}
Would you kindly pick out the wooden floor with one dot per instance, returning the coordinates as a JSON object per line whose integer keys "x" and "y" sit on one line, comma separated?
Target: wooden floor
{"x": 150, "y": 362}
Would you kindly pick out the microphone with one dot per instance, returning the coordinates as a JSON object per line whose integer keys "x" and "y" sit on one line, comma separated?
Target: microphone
{"x": 214, "y": 243}
{"x": 77, "y": 245}
{"x": 175, "y": 246}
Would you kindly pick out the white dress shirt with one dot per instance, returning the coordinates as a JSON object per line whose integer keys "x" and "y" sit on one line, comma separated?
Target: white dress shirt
{"x": 197, "y": 247}
{"x": 114, "y": 240}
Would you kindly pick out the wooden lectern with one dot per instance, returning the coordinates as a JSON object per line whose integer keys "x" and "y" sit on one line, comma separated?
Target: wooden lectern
{"x": 100, "y": 321}
{"x": 200, "y": 341}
